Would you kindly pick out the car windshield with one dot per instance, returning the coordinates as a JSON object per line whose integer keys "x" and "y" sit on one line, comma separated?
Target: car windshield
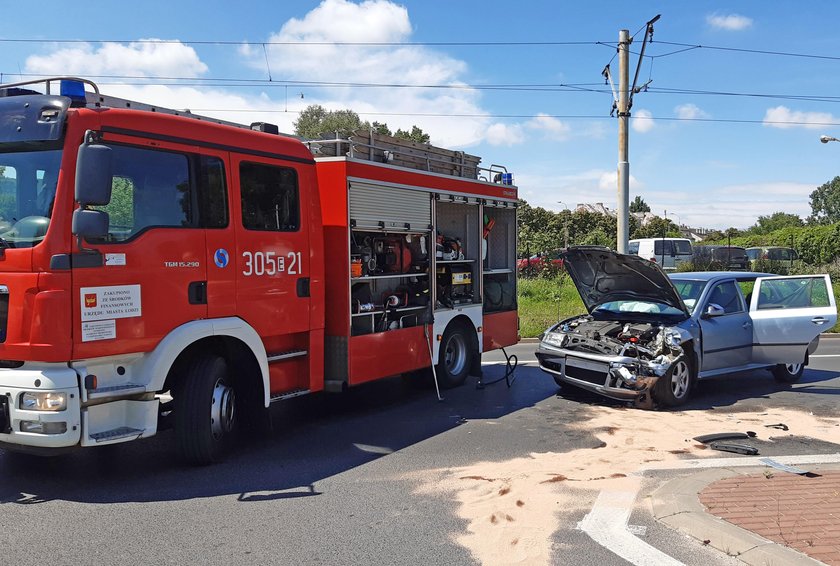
{"x": 630, "y": 306}
{"x": 27, "y": 191}
{"x": 689, "y": 292}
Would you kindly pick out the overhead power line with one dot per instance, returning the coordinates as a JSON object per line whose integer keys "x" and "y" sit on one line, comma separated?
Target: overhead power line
{"x": 684, "y": 46}
{"x": 583, "y": 87}
{"x": 533, "y": 116}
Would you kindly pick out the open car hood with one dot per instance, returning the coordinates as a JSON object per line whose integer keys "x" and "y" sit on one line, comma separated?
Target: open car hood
{"x": 602, "y": 275}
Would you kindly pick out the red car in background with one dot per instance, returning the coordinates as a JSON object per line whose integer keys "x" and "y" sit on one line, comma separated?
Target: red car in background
{"x": 537, "y": 261}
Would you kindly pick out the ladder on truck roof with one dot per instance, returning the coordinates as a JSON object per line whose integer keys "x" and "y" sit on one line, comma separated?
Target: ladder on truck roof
{"x": 368, "y": 145}
{"x": 96, "y": 99}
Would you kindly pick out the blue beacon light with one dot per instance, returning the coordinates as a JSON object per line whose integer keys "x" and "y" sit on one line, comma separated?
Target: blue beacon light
{"x": 74, "y": 90}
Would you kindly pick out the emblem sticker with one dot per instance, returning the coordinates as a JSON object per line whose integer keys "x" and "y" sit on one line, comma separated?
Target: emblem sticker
{"x": 221, "y": 257}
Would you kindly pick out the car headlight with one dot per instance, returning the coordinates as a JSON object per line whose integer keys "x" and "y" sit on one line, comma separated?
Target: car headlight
{"x": 556, "y": 339}
{"x": 43, "y": 401}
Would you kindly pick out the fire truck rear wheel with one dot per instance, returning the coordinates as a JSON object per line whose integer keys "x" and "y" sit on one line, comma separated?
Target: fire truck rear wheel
{"x": 457, "y": 349}
{"x": 205, "y": 411}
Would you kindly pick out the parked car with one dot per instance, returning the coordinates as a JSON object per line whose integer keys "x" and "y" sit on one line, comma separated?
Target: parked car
{"x": 667, "y": 252}
{"x": 772, "y": 253}
{"x": 536, "y": 261}
{"x": 727, "y": 257}
{"x": 649, "y": 337}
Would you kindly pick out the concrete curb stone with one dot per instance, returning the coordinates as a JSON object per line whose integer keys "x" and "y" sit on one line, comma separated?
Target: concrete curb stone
{"x": 677, "y": 505}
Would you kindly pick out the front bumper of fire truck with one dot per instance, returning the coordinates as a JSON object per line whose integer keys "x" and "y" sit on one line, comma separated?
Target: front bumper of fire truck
{"x": 39, "y": 406}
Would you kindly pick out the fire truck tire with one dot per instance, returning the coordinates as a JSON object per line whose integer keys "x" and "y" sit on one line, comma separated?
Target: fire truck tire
{"x": 457, "y": 350}
{"x": 205, "y": 411}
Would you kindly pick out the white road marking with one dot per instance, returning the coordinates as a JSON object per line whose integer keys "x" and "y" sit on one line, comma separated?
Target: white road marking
{"x": 824, "y": 356}
{"x": 607, "y": 524}
{"x": 742, "y": 462}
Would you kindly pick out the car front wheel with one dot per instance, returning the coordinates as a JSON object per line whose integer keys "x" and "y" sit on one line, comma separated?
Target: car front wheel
{"x": 674, "y": 388}
{"x": 788, "y": 373}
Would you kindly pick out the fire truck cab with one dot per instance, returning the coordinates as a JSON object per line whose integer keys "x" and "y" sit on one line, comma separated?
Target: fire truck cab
{"x": 158, "y": 267}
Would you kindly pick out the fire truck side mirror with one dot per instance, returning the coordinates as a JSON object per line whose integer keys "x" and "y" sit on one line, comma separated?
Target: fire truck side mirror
{"x": 90, "y": 224}
{"x": 93, "y": 175}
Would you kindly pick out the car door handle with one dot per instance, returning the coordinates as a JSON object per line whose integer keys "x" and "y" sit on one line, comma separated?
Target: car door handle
{"x": 818, "y": 320}
{"x": 746, "y": 325}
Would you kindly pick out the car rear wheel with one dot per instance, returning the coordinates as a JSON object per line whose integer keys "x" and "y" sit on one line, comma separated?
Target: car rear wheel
{"x": 674, "y": 388}
{"x": 788, "y": 373}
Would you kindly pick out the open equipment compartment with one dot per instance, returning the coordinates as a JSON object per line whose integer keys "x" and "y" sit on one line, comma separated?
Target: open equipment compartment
{"x": 389, "y": 280}
{"x": 499, "y": 261}
{"x": 458, "y": 252}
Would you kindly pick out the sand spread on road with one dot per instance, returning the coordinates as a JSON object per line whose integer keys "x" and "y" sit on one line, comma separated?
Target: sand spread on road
{"x": 512, "y": 508}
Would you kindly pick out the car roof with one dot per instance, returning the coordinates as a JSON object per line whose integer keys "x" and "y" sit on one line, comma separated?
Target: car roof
{"x": 716, "y": 275}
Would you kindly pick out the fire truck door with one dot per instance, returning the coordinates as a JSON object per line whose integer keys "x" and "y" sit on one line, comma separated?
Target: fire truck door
{"x": 272, "y": 256}
{"x": 153, "y": 267}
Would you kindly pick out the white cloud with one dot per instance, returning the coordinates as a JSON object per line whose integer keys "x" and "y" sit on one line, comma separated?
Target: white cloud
{"x": 642, "y": 121}
{"x": 729, "y": 22}
{"x": 689, "y": 112}
{"x": 783, "y": 117}
{"x": 552, "y": 128}
{"x": 502, "y": 134}
{"x": 146, "y": 58}
{"x": 374, "y": 21}
{"x": 609, "y": 180}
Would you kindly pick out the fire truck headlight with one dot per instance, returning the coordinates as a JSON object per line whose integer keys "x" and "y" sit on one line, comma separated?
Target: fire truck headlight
{"x": 38, "y": 427}
{"x": 43, "y": 401}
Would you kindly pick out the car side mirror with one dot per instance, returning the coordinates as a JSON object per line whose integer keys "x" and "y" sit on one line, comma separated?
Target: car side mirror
{"x": 713, "y": 310}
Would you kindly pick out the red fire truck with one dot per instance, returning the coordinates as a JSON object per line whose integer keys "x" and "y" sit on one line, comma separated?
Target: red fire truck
{"x": 161, "y": 267}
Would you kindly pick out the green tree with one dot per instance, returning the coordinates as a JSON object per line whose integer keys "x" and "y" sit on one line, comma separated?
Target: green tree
{"x": 416, "y": 134}
{"x": 316, "y": 120}
{"x": 825, "y": 203}
{"x": 775, "y": 221}
{"x": 658, "y": 227}
{"x": 639, "y": 205}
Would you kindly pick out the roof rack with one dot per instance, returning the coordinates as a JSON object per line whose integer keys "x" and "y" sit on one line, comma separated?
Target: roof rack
{"x": 372, "y": 146}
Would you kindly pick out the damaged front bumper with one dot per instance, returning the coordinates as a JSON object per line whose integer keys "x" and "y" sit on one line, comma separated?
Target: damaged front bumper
{"x": 618, "y": 377}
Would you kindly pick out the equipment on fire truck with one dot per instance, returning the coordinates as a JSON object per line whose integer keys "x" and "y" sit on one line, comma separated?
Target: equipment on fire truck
{"x": 454, "y": 284}
{"x": 392, "y": 255}
{"x": 448, "y": 249}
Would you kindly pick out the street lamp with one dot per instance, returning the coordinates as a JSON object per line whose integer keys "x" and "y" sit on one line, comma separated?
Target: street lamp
{"x": 826, "y": 139}
{"x": 565, "y": 226}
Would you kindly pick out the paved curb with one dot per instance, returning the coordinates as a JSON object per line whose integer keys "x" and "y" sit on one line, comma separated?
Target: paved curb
{"x": 677, "y": 505}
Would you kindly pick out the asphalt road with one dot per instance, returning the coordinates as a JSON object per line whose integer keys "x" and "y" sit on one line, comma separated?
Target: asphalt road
{"x": 340, "y": 481}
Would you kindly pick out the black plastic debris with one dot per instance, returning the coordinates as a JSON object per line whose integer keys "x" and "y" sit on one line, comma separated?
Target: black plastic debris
{"x": 735, "y": 447}
{"x": 706, "y": 438}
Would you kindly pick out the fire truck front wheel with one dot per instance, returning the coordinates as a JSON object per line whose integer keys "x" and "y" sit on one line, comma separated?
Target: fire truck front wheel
{"x": 205, "y": 410}
{"x": 457, "y": 349}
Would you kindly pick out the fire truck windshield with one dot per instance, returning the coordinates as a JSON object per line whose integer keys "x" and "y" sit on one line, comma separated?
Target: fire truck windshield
{"x": 27, "y": 191}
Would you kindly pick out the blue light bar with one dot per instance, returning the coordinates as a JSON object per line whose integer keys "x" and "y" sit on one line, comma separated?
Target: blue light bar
{"x": 74, "y": 90}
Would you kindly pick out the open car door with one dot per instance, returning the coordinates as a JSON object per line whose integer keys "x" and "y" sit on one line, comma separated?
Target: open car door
{"x": 788, "y": 313}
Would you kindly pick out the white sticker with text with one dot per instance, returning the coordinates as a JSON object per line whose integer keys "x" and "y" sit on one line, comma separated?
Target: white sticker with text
{"x": 99, "y": 330}
{"x": 120, "y": 301}
{"x": 114, "y": 259}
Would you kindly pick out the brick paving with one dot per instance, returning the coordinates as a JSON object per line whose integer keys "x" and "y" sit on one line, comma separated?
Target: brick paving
{"x": 797, "y": 511}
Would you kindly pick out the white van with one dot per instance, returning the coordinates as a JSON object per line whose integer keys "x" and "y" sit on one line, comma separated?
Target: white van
{"x": 667, "y": 252}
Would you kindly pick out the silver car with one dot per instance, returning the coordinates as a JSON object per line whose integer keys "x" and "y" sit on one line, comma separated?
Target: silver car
{"x": 649, "y": 337}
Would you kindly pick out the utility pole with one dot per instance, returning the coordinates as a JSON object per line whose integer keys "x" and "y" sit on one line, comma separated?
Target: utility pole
{"x": 623, "y": 234}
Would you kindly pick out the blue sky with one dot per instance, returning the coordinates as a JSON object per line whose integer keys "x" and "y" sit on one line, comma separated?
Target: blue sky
{"x": 721, "y": 137}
